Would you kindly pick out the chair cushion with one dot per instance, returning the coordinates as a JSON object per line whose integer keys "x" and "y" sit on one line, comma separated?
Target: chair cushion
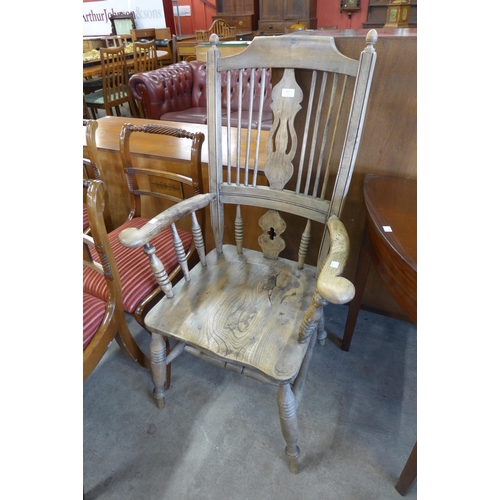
{"x": 136, "y": 277}
{"x": 96, "y": 97}
{"x": 93, "y": 314}
{"x": 85, "y": 217}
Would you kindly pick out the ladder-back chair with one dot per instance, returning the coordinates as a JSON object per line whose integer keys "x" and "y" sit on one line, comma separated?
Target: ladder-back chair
{"x": 144, "y": 60}
{"x": 115, "y": 84}
{"x": 247, "y": 308}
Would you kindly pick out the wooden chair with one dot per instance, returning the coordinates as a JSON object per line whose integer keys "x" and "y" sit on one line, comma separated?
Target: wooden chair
{"x": 114, "y": 41}
{"x": 144, "y": 60}
{"x": 103, "y": 317}
{"x": 115, "y": 84}
{"x": 253, "y": 311}
{"x": 220, "y": 27}
{"x": 164, "y": 41}
{"x": 139, "y": 289}
{"x": 144, "y": 56}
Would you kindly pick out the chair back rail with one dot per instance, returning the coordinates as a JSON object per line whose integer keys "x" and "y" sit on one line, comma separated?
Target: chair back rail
{"x": 144, "y": 56}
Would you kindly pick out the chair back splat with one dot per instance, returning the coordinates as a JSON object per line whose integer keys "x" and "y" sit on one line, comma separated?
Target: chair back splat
{"x": 254, "y": 303}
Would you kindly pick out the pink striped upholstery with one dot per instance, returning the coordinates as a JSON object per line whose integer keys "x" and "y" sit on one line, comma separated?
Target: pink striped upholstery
{"x": 85, "y": 217}
{"x": 93, "y": 314}
{"x": 136, "y": 277}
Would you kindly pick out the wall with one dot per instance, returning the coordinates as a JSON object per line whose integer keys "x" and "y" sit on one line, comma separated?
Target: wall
{"x": 328, "y": 14}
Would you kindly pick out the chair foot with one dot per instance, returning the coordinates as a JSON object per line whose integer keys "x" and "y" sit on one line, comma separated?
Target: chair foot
{"x": 158, "y": 349}
{"x": 293, "y": 461}
{"x": 289, "y": 425}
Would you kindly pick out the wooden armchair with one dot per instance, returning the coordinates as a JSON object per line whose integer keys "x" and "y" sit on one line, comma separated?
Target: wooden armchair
{"x": 220, "y": 27}
{"x": 246, "y": 307}
{"x": 139, "y": 288}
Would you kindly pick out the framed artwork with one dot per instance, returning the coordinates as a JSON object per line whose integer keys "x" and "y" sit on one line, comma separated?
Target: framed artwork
{"x": 121, "y": 24}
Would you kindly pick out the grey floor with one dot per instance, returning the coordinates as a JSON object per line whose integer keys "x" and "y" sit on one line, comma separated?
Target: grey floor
{"x": 219, "y": 435}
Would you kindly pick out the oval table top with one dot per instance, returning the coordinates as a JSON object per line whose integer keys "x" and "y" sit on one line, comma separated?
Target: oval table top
{"x": 391, "y": 202}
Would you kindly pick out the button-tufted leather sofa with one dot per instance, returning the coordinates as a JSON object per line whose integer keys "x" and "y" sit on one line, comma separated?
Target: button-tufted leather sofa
{"x": 178, "y": 93}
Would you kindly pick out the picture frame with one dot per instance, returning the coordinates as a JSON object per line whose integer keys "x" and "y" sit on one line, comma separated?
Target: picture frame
{"x": 122, "y": 24}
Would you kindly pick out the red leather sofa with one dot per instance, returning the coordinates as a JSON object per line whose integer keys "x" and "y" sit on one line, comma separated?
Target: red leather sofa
{"x": 178, "y": 93}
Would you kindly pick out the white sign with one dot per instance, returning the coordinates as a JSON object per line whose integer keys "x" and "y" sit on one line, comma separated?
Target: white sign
{"x": 147, "y": 14}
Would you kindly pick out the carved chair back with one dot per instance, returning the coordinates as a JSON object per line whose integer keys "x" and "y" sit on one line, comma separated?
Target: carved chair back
{"x": 303, "y": 165}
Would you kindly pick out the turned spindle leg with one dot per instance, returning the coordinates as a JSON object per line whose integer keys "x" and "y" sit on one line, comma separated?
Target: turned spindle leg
{"x": 289, "y": 425}
{"x": 158, "y": 368}
{"x": 321, "y": 328}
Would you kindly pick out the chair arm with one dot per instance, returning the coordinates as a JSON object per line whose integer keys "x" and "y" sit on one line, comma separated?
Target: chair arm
{"x": 135, "y": 238}
{"x": 331, "y": 286}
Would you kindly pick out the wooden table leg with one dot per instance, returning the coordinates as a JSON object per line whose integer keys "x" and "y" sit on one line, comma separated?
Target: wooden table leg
{"x": 409, "y": 474}
{"x": 362, "y": 269}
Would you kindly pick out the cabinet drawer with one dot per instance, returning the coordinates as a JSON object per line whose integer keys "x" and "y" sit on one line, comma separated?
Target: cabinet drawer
{"x": 272, "y": 27}
{"x": 239, "y": 22}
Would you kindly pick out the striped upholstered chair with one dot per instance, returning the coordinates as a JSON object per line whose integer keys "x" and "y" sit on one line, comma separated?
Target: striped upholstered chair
{"x": 103, "y": 316}
{"x": 139, "y": 289}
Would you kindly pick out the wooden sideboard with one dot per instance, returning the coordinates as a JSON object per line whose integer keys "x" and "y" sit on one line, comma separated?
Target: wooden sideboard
{"x": 242, "y": 14}
{"x": 276, "y": 16}
{"x": 388, "y": 145}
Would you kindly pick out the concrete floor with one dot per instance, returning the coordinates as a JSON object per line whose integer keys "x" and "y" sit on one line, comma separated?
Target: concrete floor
{"x": 219, "y": 435}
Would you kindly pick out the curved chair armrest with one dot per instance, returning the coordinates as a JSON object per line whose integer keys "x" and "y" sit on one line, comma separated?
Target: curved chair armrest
{"x": 134, "y": 238}
{"x": 331, "y": 286}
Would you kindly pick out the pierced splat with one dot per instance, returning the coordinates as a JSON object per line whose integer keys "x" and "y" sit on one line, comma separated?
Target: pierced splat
{"x": 282, "y": 141}
{"x": 270, "y": 241}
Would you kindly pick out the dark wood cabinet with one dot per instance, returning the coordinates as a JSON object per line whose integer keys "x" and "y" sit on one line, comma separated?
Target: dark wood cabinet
{"x": 278, "y": 15}
{"x": 242, "y": 14}
{"x": 377, "y": 14}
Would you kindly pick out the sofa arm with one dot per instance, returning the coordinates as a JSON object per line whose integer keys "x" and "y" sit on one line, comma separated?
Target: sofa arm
{"x": 149, "y": 89}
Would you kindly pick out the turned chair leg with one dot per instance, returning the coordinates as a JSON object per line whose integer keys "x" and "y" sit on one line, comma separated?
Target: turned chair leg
{"x": 289, "y": 425}
{"x": 158, "y": 349}
{"x": 321, "y": 329}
